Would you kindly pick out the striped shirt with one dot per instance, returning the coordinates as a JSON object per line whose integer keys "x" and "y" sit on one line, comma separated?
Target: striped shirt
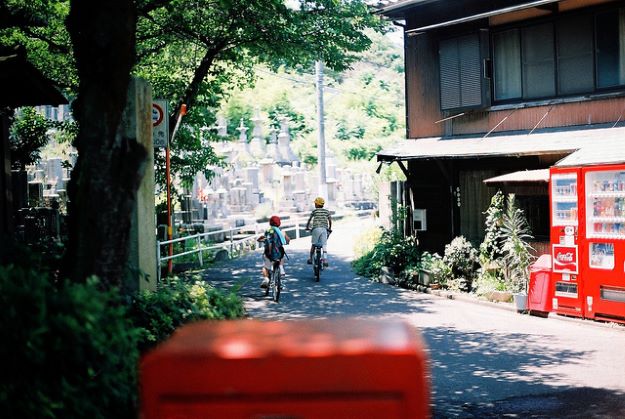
{"x": 320, "y": 218}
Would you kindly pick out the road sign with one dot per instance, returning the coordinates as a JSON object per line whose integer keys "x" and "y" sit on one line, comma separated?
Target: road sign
{"x": 160, "y": 123}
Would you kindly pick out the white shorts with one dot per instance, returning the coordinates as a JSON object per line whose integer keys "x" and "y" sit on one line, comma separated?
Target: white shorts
{"x": 320, "y": 236}
{"x": 268, "y": 264}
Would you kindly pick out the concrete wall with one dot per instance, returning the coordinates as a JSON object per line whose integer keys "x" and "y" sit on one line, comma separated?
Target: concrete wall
{"x": 137, "y": 123}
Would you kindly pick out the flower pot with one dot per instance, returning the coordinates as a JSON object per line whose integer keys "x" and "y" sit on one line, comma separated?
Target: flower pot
{"x": 520, "y": 302}
{"x": 424, "y": 278}
{"x": 499, "y": 296}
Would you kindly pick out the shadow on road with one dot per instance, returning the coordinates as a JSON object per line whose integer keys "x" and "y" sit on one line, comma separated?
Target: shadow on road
{"x": 475, "y": 374}
{"x": 338, "y": 293}
{"x": 470, "y": 370}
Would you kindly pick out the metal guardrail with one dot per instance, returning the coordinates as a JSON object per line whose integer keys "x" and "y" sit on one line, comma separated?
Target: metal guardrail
{"x": 232, "y": 242}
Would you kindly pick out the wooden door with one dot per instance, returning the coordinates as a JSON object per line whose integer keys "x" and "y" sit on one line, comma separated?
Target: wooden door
{"x": 474, "y": 200}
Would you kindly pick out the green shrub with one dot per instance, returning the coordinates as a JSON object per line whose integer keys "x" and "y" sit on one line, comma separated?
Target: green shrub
{"x": 391, "y": 250}
{"x": 487, "y": 282}
{"x": 176, "y": 302}
{"x": 517, "y": 256}
{"x": 491, "y": 247}
{"x": 462, "y": 259}
{"x": 68, "y": 350}
{"x": 439, "y": 271}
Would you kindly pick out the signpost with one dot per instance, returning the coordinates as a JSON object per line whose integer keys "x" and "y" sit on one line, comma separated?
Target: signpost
{"x": 160, "y": 123}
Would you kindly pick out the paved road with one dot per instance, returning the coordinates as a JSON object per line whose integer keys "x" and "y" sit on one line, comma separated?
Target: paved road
{"x": 485, "y": 361}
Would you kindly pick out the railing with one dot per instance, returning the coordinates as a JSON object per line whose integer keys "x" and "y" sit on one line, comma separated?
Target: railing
{"x": 232, "y": 242}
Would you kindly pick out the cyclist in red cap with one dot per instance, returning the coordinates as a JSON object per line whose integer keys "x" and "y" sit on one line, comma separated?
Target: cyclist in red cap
{"x": 274, "y": 240}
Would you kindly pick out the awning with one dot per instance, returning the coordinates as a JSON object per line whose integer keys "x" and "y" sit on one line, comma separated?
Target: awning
{"x": 605, "y": 145}
{"x": 484, "y": 15}
{"x": 522, "y": 176}
{"x": 609, "y": 151}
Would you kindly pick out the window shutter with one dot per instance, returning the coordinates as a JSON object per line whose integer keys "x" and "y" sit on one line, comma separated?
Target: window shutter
{"x": 449, "y": 74}
{"x": 462, "y": 82}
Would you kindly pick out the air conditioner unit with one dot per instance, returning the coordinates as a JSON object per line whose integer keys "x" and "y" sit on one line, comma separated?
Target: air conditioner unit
{"x": 419, "y": 219}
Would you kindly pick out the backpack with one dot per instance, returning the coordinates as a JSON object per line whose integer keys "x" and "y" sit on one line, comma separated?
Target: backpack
{"x": 277, "y": 249}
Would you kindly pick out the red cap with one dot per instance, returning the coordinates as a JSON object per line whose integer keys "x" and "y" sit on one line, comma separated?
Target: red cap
{"x": 274, "y": 221}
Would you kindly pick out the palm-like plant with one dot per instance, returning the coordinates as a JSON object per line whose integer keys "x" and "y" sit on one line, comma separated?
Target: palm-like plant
{"x": 517, "y": 255}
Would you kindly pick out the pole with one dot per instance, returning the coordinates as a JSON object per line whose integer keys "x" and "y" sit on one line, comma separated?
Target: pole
{"x": 321, "y": 141}
{"x": 170, "y": 228}
{"x": 170, "y": 246}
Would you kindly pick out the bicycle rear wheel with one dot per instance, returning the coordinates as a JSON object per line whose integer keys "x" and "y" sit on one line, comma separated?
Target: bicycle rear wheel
{"x": 317, "y": 265}
{"x": 276, "y": 283}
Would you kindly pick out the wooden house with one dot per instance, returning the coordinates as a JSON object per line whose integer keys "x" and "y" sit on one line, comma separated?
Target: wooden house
{"x": 497, "y": 92}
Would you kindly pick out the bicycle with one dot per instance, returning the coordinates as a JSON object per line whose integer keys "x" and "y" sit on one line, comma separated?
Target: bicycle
{"x": 317, "y": 262}
{"x": 275, "y": 281}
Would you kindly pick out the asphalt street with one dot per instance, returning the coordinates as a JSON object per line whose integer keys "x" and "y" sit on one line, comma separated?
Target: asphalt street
{"x": 485, "y": 360}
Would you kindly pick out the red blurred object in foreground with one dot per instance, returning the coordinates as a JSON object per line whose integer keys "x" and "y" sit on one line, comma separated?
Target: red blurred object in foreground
{"x": 291, "y": 369}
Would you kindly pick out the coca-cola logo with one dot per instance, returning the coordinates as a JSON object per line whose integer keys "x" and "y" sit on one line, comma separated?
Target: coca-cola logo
{"x": 565, "y": 259}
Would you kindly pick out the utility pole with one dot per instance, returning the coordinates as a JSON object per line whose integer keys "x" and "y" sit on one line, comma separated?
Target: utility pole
{"x": 321, "y": 141}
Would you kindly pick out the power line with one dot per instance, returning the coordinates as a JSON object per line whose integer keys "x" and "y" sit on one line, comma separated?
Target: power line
{"x": 312, "y": 83}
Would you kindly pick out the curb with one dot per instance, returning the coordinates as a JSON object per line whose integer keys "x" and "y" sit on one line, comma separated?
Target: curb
{"x": 510, "y": 307}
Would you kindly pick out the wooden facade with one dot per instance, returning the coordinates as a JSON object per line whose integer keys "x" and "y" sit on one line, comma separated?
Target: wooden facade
{"x": 452, "y": 189}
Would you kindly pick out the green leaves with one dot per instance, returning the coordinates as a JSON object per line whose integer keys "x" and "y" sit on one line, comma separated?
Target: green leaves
{"x": 68, "y": 350}
{"x": 28, "y": 134}
{"x": 158, "y": 314}
{"x": 517, "y": 255}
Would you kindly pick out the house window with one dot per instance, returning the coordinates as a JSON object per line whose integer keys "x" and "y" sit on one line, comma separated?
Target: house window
{"x": 538, "y": 61}
{"x": 507, "y": 59}
{"x": 574, "y": 54}
{"x": 461, "y": 76}
{"x": 611, "y": 49}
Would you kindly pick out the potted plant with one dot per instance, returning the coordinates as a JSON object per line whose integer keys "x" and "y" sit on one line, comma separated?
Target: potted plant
{"x": 517, "y": 255}
{"x": 434, "y": 272}
{"x": 425, "y": 268}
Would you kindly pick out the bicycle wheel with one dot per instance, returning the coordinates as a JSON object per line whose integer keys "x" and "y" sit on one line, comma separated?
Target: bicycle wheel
{"x": 276, "y": 284}
{"x": 317, "y": 265}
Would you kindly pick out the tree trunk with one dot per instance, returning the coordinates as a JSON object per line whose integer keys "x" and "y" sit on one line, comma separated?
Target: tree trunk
{"x": 103, "y": 187}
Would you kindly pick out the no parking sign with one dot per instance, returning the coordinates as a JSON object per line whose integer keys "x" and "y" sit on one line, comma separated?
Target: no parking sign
{"x": 160, "y": 123}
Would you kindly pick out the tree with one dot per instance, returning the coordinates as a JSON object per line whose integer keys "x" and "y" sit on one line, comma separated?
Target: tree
{"x": 195, "y": 53}
{"x": 104, "y": 182}
{"x": 190, "y": 51}
{"x": 28, "y": 135}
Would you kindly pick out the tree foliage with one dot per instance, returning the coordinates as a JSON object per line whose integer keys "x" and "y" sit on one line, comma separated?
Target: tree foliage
{"x": 27, "y": 136}
{"x": 193, "y": 53}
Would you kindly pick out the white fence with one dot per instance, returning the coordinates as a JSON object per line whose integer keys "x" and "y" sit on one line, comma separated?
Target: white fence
{"x": 236, "y": 238}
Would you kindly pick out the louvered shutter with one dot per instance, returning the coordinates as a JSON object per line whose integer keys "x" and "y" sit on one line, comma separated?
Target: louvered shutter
{"x": 462, "y": 82}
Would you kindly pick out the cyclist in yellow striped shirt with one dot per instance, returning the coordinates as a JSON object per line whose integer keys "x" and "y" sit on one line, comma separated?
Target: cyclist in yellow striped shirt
{"x": 321, "y": 223}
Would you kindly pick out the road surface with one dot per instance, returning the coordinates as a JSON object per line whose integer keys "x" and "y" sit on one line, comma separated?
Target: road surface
{"x": 485, "y": 361}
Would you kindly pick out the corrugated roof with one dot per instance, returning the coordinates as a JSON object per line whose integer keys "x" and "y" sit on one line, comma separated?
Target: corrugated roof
{"x": 605, "y": 144}
{"x": 540, "y": 175}
{"x": 604, "y": 152}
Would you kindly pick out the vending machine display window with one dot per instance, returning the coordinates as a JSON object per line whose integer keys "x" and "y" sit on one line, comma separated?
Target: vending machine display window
{"x": 602, "y": 255}
{"x": 605, "y": 204}
{"x": 564, "y": 199}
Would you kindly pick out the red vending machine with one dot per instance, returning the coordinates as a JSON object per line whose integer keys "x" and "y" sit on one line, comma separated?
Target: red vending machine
{"x": 603, "y": 245}
{"x": 566, "y": 193}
